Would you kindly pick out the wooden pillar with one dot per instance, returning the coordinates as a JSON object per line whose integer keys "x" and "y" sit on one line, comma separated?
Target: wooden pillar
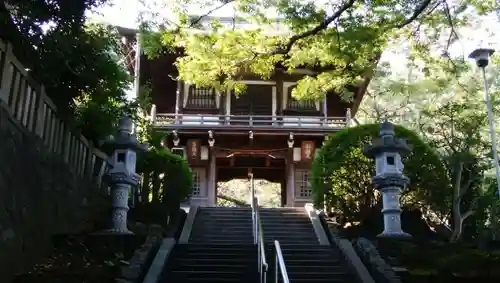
{"x": 211, "y": 186}
{"x": 228, "y": 106}
{"x": 274, "y": 103}
{"x": 279, "y": 93}
{"x": 178, "y": 97}
{"x": 290, "y": 179}
{"x": 325, "y": 111}
{"x": 283, "y": 191}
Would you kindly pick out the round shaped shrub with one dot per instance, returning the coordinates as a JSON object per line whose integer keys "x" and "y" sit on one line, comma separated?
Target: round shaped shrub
{"x": 341, "y": 174}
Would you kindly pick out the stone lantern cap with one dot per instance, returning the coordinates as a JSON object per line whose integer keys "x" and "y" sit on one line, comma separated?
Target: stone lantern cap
{"x": 387, "y": 142}
{"x": 123, "y": 139}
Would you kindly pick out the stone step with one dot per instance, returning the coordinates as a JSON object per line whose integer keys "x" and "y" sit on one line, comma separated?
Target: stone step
{"x": 222, "y": 241}
{"x": 248, "y": 247}
{"x": 220, "y": 238}
{"x": 211, "y": 280}
{"x": 313, "y": 264}
{"x": 267, "y": 236}
{"x": 267, "y": 220}
{"x": 288, "y": 230}
{"x": 211, "y": 263}
{"x": 180, "y": 275}
{"x": 228, "y": 226}
{"x": 217, "y": 280}
{"x": 312, "y": 248}
{"x": 302, "y": 273}
{"x": 231, "y": 241}
{"x": 239, "y": 254}
{"x": 217, "y": 257}
{"x": 277, "y": 236}
{"x": 312, "y": 258}
{"x": 262, "y": 213}
{"x": 240, "y": 229}
{"x": 313, "y": 269}
{"x": 319, "y": 280}
{"x": 209, "y": 266}
{"x": 319, "y": 264}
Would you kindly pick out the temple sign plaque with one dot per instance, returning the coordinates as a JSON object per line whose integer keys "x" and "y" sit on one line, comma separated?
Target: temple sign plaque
{"x": 193, "y": 149}
{"x": 307, "y": 150}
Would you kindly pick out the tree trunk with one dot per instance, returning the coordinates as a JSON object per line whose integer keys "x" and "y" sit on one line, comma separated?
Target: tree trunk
{"x": 458, "y": 192}
{"x": 457, "y": 225}
{"x": 494, "y": 220}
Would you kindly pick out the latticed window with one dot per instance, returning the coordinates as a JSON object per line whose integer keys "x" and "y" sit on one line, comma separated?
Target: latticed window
{"x": 197, "y": 182}
{"x": 201, "y": 97}
{"x": 303, "y": 183}
{"x": 293, "y": 103}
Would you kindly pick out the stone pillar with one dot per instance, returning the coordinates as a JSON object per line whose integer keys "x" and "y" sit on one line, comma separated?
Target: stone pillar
{"x": 389, "y": 177}
{"x": 122, "y": 148}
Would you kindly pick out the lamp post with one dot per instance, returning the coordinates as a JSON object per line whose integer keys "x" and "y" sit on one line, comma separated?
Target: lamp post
{"x": 482, "y": 56}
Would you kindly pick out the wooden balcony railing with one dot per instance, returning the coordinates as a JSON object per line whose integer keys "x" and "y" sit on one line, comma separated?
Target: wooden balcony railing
{"x": 205, "y": 121}
{"x": 32, "y": 110}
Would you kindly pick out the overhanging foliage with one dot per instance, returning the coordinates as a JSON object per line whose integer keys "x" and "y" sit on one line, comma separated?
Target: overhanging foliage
{"x": 340, "y": 39}
{"x": 76, "y": 61}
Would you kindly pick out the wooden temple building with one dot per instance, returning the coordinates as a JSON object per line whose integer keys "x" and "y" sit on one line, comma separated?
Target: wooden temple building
{"x": 264, "y": 131}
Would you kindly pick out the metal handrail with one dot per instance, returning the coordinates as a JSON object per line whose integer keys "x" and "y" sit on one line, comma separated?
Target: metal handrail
{"x": 258, "y": 235}
{"x": 280, "y": 264}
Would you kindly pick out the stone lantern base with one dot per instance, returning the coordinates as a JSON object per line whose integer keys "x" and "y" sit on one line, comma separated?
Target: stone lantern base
{"x": 394, "y": 235}
{"x": 119, "y": 232}
{"x": 114, "y": 232}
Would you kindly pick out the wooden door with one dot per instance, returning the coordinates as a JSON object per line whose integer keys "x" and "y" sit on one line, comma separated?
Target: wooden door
{"x": 257, "y": 100}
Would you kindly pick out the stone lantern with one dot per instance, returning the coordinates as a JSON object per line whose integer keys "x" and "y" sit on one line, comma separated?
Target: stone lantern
{"x": 122, "y": 149}
{"x": 389, "y": 178}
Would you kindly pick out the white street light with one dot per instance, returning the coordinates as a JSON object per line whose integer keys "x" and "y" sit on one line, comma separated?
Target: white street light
{"x": 482, "y": 57}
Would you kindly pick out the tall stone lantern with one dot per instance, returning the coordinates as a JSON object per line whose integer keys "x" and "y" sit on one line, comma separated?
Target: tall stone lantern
{"x": 389, "y": 178}
{"x": 122, "y": 149}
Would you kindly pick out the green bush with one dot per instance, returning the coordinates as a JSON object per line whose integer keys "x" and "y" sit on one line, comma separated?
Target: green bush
{"x": 341, "y": 174}
{"x": 169, "y": 174}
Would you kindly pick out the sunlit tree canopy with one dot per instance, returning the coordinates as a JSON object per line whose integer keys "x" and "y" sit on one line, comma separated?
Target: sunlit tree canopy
{"x": 340, "y": 40}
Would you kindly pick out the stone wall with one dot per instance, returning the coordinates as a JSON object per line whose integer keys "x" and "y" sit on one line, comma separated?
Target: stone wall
{"x": 39, "y": 196}
{"x": 381, "y": 271}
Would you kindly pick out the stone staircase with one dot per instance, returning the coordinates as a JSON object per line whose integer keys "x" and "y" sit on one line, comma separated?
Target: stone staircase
{"x": 306, "y": 260}
{"x": 223, "y": 225}
{"x": 220, "y": 249}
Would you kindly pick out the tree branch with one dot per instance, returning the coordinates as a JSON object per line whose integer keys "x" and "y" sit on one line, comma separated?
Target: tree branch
{"x": 419, "y": 10}
{"x": 467, "y": 215}
{"x": 198, "y": 19}
{"x": 453, "y": 32}
{"x": 458, "y": 182}
{"x": 321, "y": 26}
{"x": 471, "y": 211}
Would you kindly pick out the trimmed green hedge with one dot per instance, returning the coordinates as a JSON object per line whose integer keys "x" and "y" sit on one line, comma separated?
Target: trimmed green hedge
{"x": 341, "y": 174}
{"x": 177, "y": 175}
